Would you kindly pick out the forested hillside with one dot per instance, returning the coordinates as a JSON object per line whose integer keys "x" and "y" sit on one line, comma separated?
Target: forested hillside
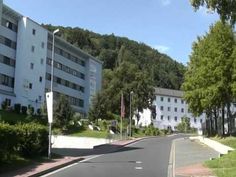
{"x": 112, "y": 50}
{"x": 128, "y": 67}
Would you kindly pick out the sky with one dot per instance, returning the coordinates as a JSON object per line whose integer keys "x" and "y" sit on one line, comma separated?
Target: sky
{"x": 170, "y": 26}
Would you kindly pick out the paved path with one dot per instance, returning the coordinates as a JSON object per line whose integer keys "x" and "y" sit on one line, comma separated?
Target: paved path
{"x": 189, "y": 158}
{"x": 146, "y": 158}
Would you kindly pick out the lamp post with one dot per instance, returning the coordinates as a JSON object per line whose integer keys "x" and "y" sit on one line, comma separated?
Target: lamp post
{"x": 50, "y": 119}
{"x": 130, "y": 112}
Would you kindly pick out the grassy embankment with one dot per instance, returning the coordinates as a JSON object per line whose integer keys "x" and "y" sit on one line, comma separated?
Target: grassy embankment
{"x": 226, "y": 165}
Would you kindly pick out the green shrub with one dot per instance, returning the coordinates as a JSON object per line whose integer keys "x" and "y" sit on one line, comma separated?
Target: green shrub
{"x": 151, "y": 131}
{"x": 33, "y": 139}
{"x": 9, "y": 141}
{"x": 24, "y": 110}
{"x": 4, "y": 105}
{"x": 27, "y": 140}
{"x": 17, "y": 108}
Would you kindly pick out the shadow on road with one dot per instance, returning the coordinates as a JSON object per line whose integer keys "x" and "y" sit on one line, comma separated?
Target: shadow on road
{"x": 103, "y": 149}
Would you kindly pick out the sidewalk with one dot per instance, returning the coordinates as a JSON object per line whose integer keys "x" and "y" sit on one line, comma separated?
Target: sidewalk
{"x": 72, "y": 156}
{"x": 189, "y": 158}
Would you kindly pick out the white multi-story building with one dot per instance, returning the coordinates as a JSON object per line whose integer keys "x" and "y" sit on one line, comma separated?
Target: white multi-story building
{"x": 170, "y": 108}
{"x": 25, "y": 65}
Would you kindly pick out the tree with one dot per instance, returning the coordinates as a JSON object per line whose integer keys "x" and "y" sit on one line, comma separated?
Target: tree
{"x": 207, "y": 82}
{"x": 225, "y": 8}
{"x": 184, "y": 126}
{"x": 63, "y": 113}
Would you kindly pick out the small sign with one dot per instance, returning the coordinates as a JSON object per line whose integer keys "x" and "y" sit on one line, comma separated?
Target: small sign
{"x": 49, "y": 100}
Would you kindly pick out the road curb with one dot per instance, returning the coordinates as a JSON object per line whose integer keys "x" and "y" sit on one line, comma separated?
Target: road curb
{"x": 221, "y": 148}
{"x": 43, "y": 172}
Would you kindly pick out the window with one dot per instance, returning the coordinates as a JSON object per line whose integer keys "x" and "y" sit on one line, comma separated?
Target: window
{"x": 168, "y": 108}
{"x": 200, "y": 120}
{"x": 40, "y": 98}
{"x": 33, "y": 31}
{"x": 162, "y": 117}
{"x": 40, "y": 79}
{"x": 176, "y": 119}
{"x": 175, "y": 109}
{"x": 7, "y": 42}
{"x": 42, "y": 45}
{"x": 182, "y": 101}
{"x": 58, "y": 80}
{"x": 168, "y": 99}
{"x": 162, "y": 99}
{"x": 182, "y": 109}
{"x": 32, "y": 48}
{"x": 195, "y": 120}
{"x": 30, "y": 85}
{"x": 59, "y": 65}
{"x": 175, "y": 100}
{"x": 41, "y": 61}
{"x": 8, "y": 102}
{"x": 162, "y": 108}
{"x": 31, "y": 65}
{"x": 168, "y": 118}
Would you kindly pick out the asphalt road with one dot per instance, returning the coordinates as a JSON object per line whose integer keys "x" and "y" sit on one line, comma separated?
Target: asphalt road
{"x": 146, "y": 158}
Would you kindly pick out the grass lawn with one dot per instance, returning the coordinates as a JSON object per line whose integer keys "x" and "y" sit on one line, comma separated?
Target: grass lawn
{"x": 224, "y": 166}
{"x": 91, "y": 133}
{"x": 228, "y": 141}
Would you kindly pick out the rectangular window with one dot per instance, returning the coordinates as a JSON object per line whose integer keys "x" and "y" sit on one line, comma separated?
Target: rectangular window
{"x": 168, "y": 99}
{"x": 31, "y": 65}
{"x": 42, "y": 45}
{"x": 40, "y": 98}
{"x": 41, "y": 61}
{"x": 33, "y": 31}
{"x": 162, "y": 99}
{"x": 168, "y": 118}
{"x": 162, "y": 117}
{"x": 32, "y": 48}
{"x": 200, "y": 120}
{"x": 195, "y": 120}
{"x": 176, "y": 119}
{"x": 175, "y": 109}
{"x": 182, "y": 101}
{"x": 30, "y": 85}
{"x": 175, "y": 100}
{"x": 182, "y": 109}
{"x": 58, "y": 80}
{"x": 162, "y": 108}
{"x": 168, "y": 108}
{"x": 40, "y": 79}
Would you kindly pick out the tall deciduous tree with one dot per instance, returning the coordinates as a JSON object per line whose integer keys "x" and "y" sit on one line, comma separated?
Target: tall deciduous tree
{"x": 225, "y": 8}
{"x": 63, "y": 113}
{"x": 208, "y": 79}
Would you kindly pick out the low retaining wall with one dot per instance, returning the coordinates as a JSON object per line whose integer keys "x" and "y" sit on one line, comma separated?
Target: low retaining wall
{"x": 59, "y": 141}
{"x": 222, "y": 149}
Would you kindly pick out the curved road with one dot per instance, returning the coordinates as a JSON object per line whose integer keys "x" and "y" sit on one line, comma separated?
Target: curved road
{"x": 145, "y": 158}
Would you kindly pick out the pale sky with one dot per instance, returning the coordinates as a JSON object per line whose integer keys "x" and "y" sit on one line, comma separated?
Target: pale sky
{"x": 171, "y": 26}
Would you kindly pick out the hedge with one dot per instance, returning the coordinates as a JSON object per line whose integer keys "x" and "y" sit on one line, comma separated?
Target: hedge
{"x": 27, "y": 140}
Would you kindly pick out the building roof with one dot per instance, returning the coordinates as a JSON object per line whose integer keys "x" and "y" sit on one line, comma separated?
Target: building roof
{"x": 168, "y": 92}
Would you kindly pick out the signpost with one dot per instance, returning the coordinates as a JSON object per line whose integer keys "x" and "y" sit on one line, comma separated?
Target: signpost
{"x": 49, "y": 101}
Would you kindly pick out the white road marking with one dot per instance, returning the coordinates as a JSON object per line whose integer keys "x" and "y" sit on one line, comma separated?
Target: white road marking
{"x": 71, "y": 165}
{"x": 138, "y": 162}
{"x": 138, "y": 168}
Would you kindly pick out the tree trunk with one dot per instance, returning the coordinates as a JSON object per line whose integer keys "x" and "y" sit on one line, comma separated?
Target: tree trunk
{"x": 216, "y": 126}
{"x": 223, "y": 121}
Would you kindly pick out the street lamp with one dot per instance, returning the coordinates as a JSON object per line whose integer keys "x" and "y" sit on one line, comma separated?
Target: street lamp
{"x": 50, "y": 96}
{"x": 130, "y": 112}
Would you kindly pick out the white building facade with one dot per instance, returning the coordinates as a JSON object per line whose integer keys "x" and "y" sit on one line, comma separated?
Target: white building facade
{"x": 170, "y": 108}
{"x": 25, "y": 65}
